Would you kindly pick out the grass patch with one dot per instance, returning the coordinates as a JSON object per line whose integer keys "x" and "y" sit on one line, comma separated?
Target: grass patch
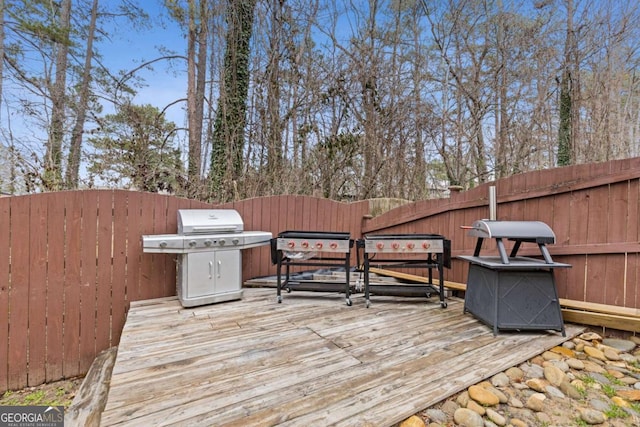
{"x": 616, "y": 411}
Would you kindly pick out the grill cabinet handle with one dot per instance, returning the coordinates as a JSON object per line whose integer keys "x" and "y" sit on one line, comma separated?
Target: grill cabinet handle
{"x": 210, "y": 269}
{"x": 219, "y": 267}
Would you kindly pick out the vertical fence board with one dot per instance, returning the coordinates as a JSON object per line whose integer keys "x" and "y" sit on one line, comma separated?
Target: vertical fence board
{"x": 55, "y": 287}
{"x": 134, "y": 232}
{"x": 159, "y": 273}
{"x": 171, "y": 226}
{"x": 5, "y": 285}
{"x": 19, "y": 292}
{"x": 37, "y": 290}
{"x": 104, "y": 279}
{"x": 72, "y": 285}
{"x": 614, "y": 291}
{"x": 119, "y": 303}
{"x": 88, "y": 275}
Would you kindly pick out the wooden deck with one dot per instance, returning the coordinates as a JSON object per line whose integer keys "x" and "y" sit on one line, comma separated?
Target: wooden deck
{"x": 309, "y": 361}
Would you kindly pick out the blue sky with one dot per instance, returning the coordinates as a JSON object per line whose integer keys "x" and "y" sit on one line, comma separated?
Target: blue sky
{"x": 127, "y": 49}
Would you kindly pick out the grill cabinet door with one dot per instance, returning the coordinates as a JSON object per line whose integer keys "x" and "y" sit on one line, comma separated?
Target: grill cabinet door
{"x": 212, "y": 273}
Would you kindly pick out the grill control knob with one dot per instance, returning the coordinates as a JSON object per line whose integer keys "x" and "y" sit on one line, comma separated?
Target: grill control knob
{"x": 291, "y": 244}
{"x": 207, "y": 243}
{"x": 192, "y": 243}
{"x": 379, "y": 245}
{"x": 410, "y": 245}
{"x": 319, "y": 245}
{"x": 395, "y": 245}
{"x": 305, "y": 244}
{"x": 235, "y": 241}
{"x": 333, "y": 245}
{"x": 222, "y": 242}
{"x": 163, "y": 244}
{"x": 425, "y": 245}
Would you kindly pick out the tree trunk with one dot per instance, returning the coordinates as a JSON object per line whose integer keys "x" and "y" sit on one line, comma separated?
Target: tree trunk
{"x": 196, "y": 76}
{"x": 228, "y": 135}
{"x": 73, "y": 166}
{"x": 52, "y": 176}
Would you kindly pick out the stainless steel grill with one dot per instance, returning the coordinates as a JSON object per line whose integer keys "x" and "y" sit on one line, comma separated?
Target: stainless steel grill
{"x": 312, "y": 248}
{"x": 430, "y": 251}
{"x": 208, "y": 242}
{"x": 509, "y": 291}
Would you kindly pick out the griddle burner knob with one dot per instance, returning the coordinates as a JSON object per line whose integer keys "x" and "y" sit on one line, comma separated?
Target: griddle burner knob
{"x": 207, "y": 243}
{"x": 410, "y": 245}
{"x": 222, "y": 242}
{"x": 163, "y": 244}
{"x": 395, "y": 245}
{"x": 319, "y": 245}
{"x": 425, "y": 245}
{"x": 235, "y": 241}
{"x": 379, "y": 245}
{"x": 305, "y": 244}
{"x": 192, "y": 243}
{"x": 291, "y": 244}
{"x": 333, "y": 245}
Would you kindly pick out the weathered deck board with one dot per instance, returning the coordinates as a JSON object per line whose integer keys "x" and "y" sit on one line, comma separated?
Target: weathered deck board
{"x": 308, "y": 361}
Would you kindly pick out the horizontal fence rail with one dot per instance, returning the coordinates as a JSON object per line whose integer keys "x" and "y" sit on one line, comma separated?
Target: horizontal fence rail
{"x": 71, "y": 262}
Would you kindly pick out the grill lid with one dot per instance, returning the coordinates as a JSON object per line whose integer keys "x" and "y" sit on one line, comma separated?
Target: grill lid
{"x": 209, "y": 221}
{"x": 526, "y": 231}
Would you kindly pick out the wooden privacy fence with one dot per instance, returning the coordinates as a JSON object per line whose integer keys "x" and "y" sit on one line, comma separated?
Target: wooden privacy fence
{"x": 71, "y": 262}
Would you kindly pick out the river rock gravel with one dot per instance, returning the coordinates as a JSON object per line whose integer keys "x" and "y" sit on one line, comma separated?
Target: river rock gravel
{"x": 588, "y": 381}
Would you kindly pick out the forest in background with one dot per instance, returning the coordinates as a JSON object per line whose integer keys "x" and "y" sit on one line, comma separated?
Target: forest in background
{"x": 345, "y": 99}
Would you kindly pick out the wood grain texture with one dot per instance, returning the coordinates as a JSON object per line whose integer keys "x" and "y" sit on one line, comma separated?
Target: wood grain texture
{"x": 311, "y": 360}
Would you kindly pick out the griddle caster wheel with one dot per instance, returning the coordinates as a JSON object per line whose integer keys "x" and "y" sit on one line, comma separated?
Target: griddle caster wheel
{"x": 428, "y": 294}
{"x": 443, "y": 304}
{"x": 279, "y": 299}
{"x": 348, "y": 301}
{"x": 368, "y": 303}
{"x": 288, "y": 290}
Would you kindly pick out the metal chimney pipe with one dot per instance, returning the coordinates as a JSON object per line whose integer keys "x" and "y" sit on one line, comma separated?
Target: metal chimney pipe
{"x": 492, "y": 203}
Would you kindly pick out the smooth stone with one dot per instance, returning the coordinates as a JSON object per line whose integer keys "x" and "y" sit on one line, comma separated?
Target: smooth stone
{"x": 515, "y": 402}
{"x": 496, "y": 417}
{"x": 515, "y": 374}
{"x": 475, "y": 407}
{"x": 516, "y": 422}
{"x": 569, "y": 390}
{"x": 599, "y": 404}
{"x": 537, "y": 384}
{"x": 560, "y": 364}
{"x": 463, "y": 399}
{"x": 633, "y": 395}
{"x": 590, "y": 336}
{"x": 563, "y": 351}
{"x": 533, "y": 371}
{"x": 549, "y": 355}
{"x": 591, "y": 416}
{"x": 467, "y": 418}
{"x": 503, "y": 398}
{"x": 554, "y": 392}
{"x": 595, "y": 353}
{"x": 500, "y": 380}
{"x": 554, "y": 375}
{"x": 436, "y": 415}
{"x": 611, "y": 354}
{"x": 635, "y": 339}
{"x": 536, "y": 402}
{"x": 482, "y": 395}
{"x": 575, "y": 364}
{"x": 590, "y": 366}
{"x": 413, "y": 421}
{"x": 629, "y": 380}
{"x": 624, "y": 346}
